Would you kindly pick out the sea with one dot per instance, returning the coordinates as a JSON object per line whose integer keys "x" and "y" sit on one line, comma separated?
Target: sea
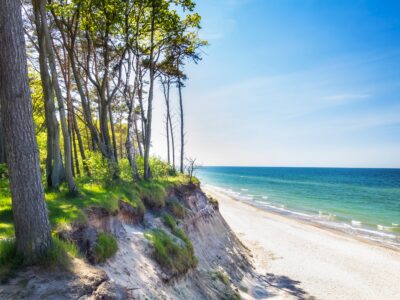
{"x": 361, "y": 202}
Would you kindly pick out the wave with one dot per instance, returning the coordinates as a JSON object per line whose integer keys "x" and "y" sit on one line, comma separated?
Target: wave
{"x": 383, "y": 234}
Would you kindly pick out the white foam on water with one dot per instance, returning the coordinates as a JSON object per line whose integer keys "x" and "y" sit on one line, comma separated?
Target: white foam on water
{"x": 264, "y": 197}
{"x": 244, "y": 190}
{"x": 356, "y": 223}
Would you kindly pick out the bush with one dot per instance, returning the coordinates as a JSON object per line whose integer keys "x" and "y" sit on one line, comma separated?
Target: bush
{"x": 153, "y": 194}
{"x": 159, "y": 168}
{"x": 176, "y": 208}
{"x": 214, "y": 202}
{"x": 174, "y": 258}
{"x": 106, "y": 247}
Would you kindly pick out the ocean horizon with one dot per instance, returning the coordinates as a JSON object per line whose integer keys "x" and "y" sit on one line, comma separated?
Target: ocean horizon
{"x": 361, "y": 201}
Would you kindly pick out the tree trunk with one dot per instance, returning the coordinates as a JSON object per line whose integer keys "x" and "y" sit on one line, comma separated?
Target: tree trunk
{"x": 138, "y": 140}
{"x": 2, "y": 144}
{"x": 130, "y": 148}
{"x": 114, "y": 140}
{"x": 32, "y": 227}
{"x": 182, "y": 128}
{"x": 64, "y": 127}
{"x": 147, "y": 143}
{"x": 166, "y": 86}
{"x": 54, "y": 166}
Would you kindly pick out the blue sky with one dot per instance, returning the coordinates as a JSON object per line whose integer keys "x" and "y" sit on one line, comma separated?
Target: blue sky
{"x": 295, "y": 83}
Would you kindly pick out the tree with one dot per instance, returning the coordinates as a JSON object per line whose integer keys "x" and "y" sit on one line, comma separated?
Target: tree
{"x": 32, "y": 227}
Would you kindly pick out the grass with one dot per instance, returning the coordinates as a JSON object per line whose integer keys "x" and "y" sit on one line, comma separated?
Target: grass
{"x": 58, "y": 256}
{"x": 173, "y": 257}
{"x": 64, "y": 209}
{"x": 214, "y": 202}
{"x": 222, "y": 277}
{"x": 176, "y": 208}
{"x": 105, "y": 248}
{"x": 153, "y": 194}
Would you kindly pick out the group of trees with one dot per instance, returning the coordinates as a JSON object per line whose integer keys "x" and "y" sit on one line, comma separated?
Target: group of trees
{"x": 98, "y": 63}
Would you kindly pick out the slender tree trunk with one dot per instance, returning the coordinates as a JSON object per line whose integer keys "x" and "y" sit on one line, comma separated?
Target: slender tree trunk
{"x": 80, "y": 143}
{"x": 138, "y": 140}
{"x": 32, "y": 227}
{"x": 78, "y": 172}
{"x": 64, "y": 127}
{"x": 147, "y": 172}
{"x": 166, "y": 86}
{"x": 182, "y": 128}
{"x": 54, "y": 166}
{"x": 114, "y": 140}
{"x": 172, "y": 141}
{"x": 130, "y": 148}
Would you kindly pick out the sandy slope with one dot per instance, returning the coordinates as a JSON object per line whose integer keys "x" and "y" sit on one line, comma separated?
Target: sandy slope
{"x": 326, "y": 264}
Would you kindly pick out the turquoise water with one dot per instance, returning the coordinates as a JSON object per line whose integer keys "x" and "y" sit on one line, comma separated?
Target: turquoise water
{"x": 364, "y": 201}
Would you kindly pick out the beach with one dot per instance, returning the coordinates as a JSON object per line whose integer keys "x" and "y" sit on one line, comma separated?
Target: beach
{"x": 323, "y": 263}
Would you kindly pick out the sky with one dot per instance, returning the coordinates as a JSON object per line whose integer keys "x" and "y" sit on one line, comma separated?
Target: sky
{"x": 313, "y": 83}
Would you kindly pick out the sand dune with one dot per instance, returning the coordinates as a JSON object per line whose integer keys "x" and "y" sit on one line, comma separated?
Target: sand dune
{"x": 323, "y": 263}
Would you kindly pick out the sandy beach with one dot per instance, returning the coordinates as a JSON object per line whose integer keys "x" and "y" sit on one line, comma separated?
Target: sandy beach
{"x": 323, "y": 263}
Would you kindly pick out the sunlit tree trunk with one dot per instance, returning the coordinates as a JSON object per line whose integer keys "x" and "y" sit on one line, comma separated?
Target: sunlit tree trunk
{"x": 32, "y": 227}
{"x": 54, "y": 166}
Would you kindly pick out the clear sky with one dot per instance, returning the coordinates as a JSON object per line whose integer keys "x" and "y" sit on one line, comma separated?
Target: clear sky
{"x": 294, "y": 83}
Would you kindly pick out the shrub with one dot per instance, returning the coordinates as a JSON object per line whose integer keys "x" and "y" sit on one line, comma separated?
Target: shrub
{"x": 176, "y": 208}
{"x": 214, "y": 202}
{"x": 106, "y": 247}
{"x": 174, "y": 258}
{"x": 159, "y": 168}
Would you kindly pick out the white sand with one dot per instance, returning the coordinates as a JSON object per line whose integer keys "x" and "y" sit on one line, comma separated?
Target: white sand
{"x": 327, "y": 264}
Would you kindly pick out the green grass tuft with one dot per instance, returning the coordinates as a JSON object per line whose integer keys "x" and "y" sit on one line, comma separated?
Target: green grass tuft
{"x": 153, "y": 194}
{"x": 169, "y": 221}
{"x": 60, "y": 254}
{"x": 10, "y": 260}
{"x": 174, "y": 258}
{"x": 176, "y": 208}
{"x": 105, "y": 248}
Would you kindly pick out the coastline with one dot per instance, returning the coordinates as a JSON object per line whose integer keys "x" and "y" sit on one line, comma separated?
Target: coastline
{"x": 326, "y": 263}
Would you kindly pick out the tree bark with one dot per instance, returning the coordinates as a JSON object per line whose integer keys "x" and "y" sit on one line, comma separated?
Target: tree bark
{"x": 2, "y": 144}
{"x": 32, "y": 227}
{"x": 54, "y": 166}
{"x": 182, "y": 124}
{"x": 72, "y": 188}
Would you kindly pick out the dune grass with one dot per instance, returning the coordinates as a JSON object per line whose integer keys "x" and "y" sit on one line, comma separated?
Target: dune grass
{"x": 174, "y": 258}
{"x": 176, "y": 208}
{"x": 105, "y": 248}
{"x": 58, "y": 256}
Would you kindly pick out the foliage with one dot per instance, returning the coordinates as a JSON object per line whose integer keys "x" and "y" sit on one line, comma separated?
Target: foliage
{"x": 105, "y": 248}
{"x": 173, "y": 257}
{"x": 159, "y": 168}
